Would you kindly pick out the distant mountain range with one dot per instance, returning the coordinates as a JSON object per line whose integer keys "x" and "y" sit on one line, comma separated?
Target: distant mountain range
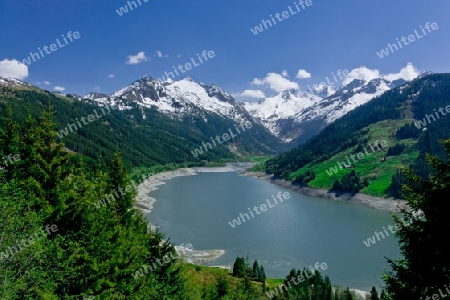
{"x": 176, "y": 99}
{"x": 153, "y": 123}
{"x": 295, "y": 116}
{"x": 197, "y": 113}
{"x": 328, "y": 159}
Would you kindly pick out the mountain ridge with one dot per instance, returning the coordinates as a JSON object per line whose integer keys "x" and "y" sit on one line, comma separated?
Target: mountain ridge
{"x": 390, "y": 116}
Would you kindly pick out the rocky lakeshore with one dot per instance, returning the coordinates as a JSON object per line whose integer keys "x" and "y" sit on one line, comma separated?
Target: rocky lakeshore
{"x": 144, "y": 202}
{"x": 370, "y": 201}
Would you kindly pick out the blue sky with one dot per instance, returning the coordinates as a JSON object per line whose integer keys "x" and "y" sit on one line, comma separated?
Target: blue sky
{"x": 320, "y": 39}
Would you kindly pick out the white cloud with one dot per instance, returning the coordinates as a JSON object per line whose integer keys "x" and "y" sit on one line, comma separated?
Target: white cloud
{"x": 362, "y": 73}
{"x": 97, "y": 89}
{"x": 13, "y": 69}
{"x": 257, "y": 81}
{"x": 408, "y": 73}
{"x": 111, "y": 76}
{"x": 59, "y": 88}
{"x": 276, "y": 82}
{"x": 46, "y": 82}
{"x": 178, "y": 55}
{"x": 159, "y": 54}
{"x": 285, "y": 73}
{"x": 258, "y": 94}
{"x": 137, "y": 59}
{"x": 302, "y": 73}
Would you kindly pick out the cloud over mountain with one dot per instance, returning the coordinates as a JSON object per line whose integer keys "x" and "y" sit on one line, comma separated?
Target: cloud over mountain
{"x": 13, "y": 69}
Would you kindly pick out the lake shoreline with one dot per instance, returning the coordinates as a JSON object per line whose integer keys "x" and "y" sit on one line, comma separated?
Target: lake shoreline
{"x": 367, "y": 200}
{"x": 145, "y": 202}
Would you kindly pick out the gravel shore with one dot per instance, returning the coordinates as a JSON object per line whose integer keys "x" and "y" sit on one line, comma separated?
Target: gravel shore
{"x": 370, "y": 201}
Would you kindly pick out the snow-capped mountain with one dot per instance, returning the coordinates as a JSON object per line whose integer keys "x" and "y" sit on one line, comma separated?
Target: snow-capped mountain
{"x": 203, "y": 110}
{"x": 176, "y": 99}
{"x": 297, "y": 115}
{"x": 13, "y": 82}
{"x": 283, "y": 106}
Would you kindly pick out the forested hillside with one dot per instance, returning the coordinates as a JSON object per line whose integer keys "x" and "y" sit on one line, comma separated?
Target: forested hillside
{"x": 57, "y": 244}
{"x": 393, "y": 117}
{"x": 155, "y": 139}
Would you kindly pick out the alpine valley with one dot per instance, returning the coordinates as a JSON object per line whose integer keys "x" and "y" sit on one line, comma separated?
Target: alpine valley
{"x": 156, "y": 126}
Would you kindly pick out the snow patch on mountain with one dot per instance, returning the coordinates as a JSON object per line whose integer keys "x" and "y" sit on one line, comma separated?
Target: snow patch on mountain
{"x": 176, "y": 98}
{"x": 282, "y": 106}
{"x": 288, "y": 114}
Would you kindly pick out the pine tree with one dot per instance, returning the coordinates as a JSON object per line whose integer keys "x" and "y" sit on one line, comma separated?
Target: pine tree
{"x": 93, "y": 252}
{"x": 222, "y": 287}
{"x": 348, "y": 294}
{"x": 425, "y": 265}
{"x": 374, "y": 294}
{"x": 247, "y": 288}
{"x": 255, "y": 271}
{"x": 262, "y": 276}
{"x": 117, "y": 185}
{"x": 239, "y": 267}
{"x": 328, "y": 289}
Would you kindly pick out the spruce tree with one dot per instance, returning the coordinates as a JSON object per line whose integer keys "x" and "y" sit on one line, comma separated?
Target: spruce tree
{"x": 374, "y": 294}
{"x": 425, "y": 265}
{"x": 262, "y": 276}
{"x": 239, "y": 267}
{"x": 348, "y": 294}
{"x": 93, "y": 253}
{"x": 255, "y": 270}
{"x": 117, "y": 185}
{"x": 222, "y": 287}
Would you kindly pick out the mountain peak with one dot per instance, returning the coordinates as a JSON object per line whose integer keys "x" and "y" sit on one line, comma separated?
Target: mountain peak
{"x": 13, "y": 82}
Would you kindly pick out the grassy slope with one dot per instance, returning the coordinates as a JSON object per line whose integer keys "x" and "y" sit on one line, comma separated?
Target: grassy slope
{"x": 379, "y": 173}
{"x": 261, "y": 161}
{"x": 200, "y": 278}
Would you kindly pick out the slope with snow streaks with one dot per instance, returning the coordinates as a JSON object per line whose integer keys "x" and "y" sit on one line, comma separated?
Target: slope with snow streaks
{"x": 285, "y": 105}
{"x": 178, "y": 98}
{"x": 296, "y": 115}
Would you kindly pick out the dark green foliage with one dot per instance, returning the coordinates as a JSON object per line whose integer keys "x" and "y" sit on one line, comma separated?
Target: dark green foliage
{"x": 306, "y": 285}
{"x": 374, "y": 294}
{"x": 408, "y": 131}
{"x": 239, "y": 267}
{"x": 424, "y": 267}
{"x": 255, "y": 272}
{"x": 222, "y": 287}
{"x": 306, "y": 177}
{"x": 262, "y": 276}
{"x": 397, "y": 182}
{"x": 348, "y": 295}
{"x": 423, "y": 94}
{"x": 396, "y": 150}
{"x": 155, "y": 140}
{"x": 349, "y": 182}
{"x": 383, "y": 295}
{"x": 94, "y": 252}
